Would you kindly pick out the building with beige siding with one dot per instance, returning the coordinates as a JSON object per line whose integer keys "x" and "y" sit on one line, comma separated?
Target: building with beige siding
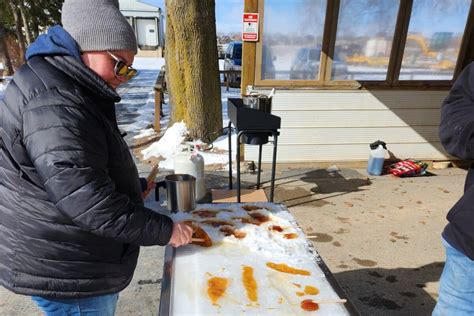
{"x": 347, "y": 74}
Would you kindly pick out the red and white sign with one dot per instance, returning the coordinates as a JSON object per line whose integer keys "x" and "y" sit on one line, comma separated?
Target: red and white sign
{"x": 250, "y": 27}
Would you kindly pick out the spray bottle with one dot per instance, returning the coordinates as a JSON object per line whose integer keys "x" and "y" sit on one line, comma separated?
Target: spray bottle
{"x": 376, "y": 158}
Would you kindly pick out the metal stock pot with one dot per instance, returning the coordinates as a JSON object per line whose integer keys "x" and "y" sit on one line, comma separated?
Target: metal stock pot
{"x": 180, "y": 192}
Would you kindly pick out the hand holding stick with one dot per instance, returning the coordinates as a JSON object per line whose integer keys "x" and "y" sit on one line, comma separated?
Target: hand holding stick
{"x": 150, "y": 181}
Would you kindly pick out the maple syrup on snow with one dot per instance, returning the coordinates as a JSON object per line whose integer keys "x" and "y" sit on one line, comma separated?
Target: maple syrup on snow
{"x": 276, "y": 228}
{"x": 286, "y": 269}
{"x": 309, "y": 305}
{"x": 290, "y": 236}
{"x": 311, "y": 290}
{"x": 250, "y": 283}
{"x": 216, "y": 288}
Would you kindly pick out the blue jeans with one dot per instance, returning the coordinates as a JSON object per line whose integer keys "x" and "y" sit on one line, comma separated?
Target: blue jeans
{"x": 91, "y": 306}
{"x": 456, "y": 286}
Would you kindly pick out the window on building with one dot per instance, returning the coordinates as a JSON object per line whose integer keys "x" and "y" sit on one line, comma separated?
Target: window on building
{"x": 367, "y": 46}
{"x": 434, "y": 38}
{"x": 365, "y": 32}
{"x": 293, "y": 33}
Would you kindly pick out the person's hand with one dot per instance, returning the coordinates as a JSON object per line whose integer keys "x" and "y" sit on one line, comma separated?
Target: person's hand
{"x": 150, "y": 186}
{"x": 181, "y": 235}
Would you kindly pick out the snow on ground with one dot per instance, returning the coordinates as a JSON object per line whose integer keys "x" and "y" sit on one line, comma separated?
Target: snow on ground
{"x": 169, "y": 145}
{"x": 145, "y": 133}
{"x": 136, "y": 112}
{"x": 222, "y": 142}
{"x": 232, "y": 93}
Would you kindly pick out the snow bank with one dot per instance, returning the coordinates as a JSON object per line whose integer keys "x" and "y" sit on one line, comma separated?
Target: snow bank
{"x": 169, "y": 145}
{"x": 222, "y": 143}
{"x": 145, "y": 133}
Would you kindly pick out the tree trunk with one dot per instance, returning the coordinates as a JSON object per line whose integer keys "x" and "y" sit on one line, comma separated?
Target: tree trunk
{"x": 36, "y": 21}
{"x": 24, "y": 18}
{"x": 4, "y": 55}
{"x": 19, "y": 32}
{"x": 192, "y": 65}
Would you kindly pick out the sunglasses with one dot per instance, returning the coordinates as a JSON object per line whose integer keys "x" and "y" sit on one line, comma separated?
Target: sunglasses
{"x": 122, "y": 69}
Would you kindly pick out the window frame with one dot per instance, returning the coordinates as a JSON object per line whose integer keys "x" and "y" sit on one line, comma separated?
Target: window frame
{"x": 324, "y": 81}
{"x": 259, "y": 59}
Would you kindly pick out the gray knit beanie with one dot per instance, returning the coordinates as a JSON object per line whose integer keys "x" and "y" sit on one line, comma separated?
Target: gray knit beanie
{"x": 98, "y": 25}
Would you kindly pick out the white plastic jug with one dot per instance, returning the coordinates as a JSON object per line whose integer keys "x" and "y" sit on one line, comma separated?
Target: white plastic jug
{"x": 376, "y": 158}
{"x": 192, "y": 163}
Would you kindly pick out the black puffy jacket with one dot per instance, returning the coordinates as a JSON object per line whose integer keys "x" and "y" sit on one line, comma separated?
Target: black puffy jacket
{"x": 71, "y": 212}
{"x": 457, "y": 135}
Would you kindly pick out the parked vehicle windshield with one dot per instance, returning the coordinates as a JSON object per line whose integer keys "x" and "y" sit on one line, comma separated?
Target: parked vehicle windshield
{"x": 237, "y": 51}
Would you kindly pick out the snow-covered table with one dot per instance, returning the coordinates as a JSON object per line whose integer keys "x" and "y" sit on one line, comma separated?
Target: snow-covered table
{"x": 260, "y": 263}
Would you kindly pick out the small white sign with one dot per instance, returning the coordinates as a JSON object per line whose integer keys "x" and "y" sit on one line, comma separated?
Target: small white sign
{"x": 250, "y": 27}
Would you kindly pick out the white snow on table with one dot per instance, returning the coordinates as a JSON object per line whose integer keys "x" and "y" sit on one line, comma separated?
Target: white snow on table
{"x": 194, "y": 266}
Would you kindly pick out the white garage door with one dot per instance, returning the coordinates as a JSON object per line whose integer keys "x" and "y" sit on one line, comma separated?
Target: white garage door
{"x": 147, "y": 32}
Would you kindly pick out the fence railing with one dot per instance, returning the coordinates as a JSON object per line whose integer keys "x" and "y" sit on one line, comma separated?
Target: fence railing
{"x": 160, "y": 87}
{"x": 226, "y": 74}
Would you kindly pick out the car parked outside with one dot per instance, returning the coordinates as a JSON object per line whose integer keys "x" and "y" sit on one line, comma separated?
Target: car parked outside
{"x": 305, "y": 65}
{"x": 233, "y": 61}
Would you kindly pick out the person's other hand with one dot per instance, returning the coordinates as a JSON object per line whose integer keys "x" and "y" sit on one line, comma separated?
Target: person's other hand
{"x": 181, "y": 235}
{"x": 150, "y": 186}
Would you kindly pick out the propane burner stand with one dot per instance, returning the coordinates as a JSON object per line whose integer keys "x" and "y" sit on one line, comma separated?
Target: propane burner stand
{"x": 253, "y": 127}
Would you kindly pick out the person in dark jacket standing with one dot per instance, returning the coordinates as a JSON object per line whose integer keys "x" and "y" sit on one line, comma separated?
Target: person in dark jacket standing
{"x": 456, "y": 293}
{"x": 72, "y": 216}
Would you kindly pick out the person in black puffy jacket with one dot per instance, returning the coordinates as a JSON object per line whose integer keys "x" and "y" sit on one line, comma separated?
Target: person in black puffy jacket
{"x": 72, "y": 216}
{"x": 457, "y": 134}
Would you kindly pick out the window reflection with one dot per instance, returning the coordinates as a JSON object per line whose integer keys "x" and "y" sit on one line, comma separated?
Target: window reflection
{"x": 364, "y": 38}
{"x": 292, "y": 39}
{"x": 431, "y": 49}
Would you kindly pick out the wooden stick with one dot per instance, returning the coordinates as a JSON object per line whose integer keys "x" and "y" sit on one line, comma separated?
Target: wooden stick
{"x": 197, "y": 240}
{"x": 341, "y": 300}
{"x": 328, "y": 301}
{"x": 152, "y": 175}
{"x": 150, "y": 179}
{"x": 311, "y": 236}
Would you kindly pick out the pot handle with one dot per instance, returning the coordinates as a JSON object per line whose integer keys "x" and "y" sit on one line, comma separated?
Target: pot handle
{"x": 161, "y": 184}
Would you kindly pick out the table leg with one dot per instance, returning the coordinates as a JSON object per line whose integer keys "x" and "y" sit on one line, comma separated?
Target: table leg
{"x": 238, "y": 166}
{"x": 259, "y": 165}
{"x": 275, "y": 143}
{"x": 229, "y": 133}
